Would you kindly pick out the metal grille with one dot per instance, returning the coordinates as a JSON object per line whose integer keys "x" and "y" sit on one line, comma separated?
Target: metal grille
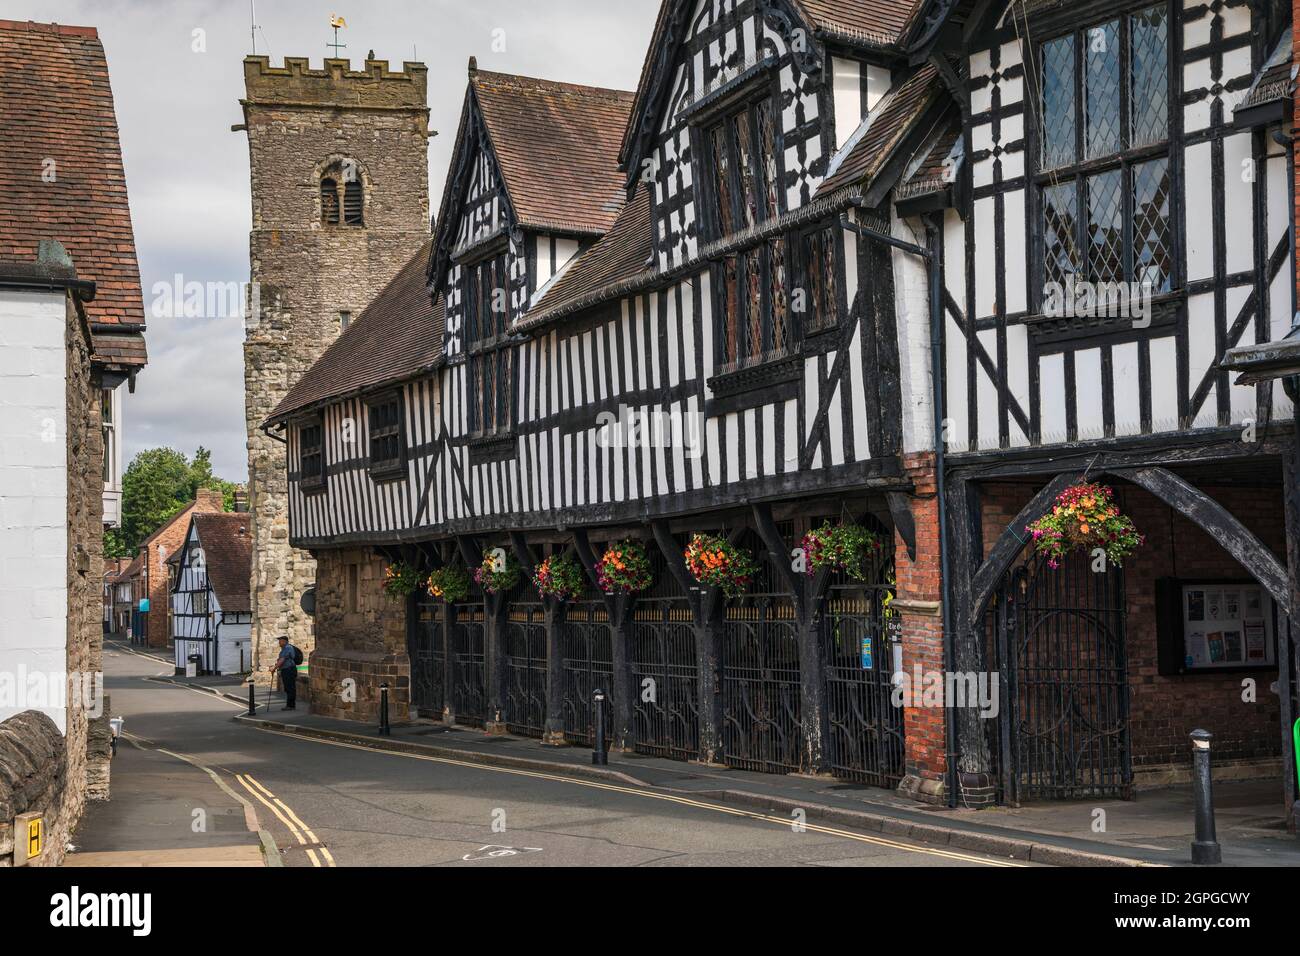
{"x": 468, "y": 692}
{"x": 525, "y": 671}
{"x": 1062, "y": 653}
{"x": 858, "y": 634}
{"x": 760, "y": 685}
{"x": 588, "y": 644}
{"x": 428, "y": 655}
{"x": 665, "y": 679}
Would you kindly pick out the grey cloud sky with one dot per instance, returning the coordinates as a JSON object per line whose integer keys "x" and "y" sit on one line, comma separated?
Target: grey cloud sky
{"x": 188, "y": 173}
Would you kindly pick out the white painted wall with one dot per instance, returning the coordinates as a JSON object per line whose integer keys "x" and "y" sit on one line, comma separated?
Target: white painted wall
{"x": 113, "y": 450}
{"x": 33, "y": 504}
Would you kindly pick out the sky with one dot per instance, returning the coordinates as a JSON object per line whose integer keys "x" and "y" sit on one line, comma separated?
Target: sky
{"x": 176, "y": 70}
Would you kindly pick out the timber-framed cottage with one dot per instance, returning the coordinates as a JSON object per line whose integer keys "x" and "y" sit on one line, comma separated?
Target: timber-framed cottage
{"x": 917, "y": 270}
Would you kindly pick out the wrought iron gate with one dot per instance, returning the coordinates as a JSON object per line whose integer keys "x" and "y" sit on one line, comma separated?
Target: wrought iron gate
{"x": 858, "y": 634}
{"x": 666, "y": 710}
{"x": 587, "y": 641}
{"x": 525, "y": 669}
{"x": 760, "y": 685}
{"x": 468, "y": 671}
{"x": 1061, "y": 649}
{"x": 427, "y": 650}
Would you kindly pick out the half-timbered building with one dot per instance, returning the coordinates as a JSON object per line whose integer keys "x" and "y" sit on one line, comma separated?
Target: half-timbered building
{"x": 210, "y": 611}
{"x": 828, "y": 262}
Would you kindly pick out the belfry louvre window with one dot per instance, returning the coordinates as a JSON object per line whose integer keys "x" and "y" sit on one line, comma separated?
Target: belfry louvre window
{"x": 387, "y": 449}
{"x": 1104, "y": 164}
{"x": 487, "y": 324}
{"x": 353, "y": 206}
{"x": 329, "y": 201}
{"x": 311, "y": 455}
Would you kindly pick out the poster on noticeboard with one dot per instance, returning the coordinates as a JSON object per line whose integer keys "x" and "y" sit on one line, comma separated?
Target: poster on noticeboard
{"x": 1227, "y": 625}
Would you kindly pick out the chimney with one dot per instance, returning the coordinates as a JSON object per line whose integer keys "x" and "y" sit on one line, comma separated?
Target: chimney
{"x": 241, "y": 498}
{"x": 208, "y": 500}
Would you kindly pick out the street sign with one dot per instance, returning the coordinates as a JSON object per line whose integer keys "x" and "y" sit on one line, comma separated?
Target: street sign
{"x": 866, "y": 652}
{"x": 29, "y": 838}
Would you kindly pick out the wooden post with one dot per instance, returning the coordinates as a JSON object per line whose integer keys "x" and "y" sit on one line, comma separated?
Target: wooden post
{"x": 1288, "y": 660}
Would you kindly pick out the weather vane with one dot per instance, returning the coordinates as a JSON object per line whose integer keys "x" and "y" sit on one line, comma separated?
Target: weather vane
{"x": 336, "y": 21}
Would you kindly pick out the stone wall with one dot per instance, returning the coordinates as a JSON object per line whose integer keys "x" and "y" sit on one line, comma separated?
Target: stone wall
{"x": 34, "y": 778}
{"x": 299, "y": 121}
{"x": 365, "y": 643}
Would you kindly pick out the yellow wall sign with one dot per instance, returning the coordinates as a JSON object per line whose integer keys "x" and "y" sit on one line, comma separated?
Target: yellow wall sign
{"x": 29, "y": 838}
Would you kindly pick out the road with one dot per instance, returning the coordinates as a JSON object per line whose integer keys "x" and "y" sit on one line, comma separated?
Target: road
{"x": 331, "y": 804}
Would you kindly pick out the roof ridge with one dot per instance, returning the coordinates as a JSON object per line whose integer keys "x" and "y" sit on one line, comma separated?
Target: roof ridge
{"x": 36, "y": 26}
{"x": 555, "y": 86}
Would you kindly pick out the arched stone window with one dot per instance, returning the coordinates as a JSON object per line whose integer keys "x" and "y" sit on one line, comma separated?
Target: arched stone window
{"x": 342, "y": 194}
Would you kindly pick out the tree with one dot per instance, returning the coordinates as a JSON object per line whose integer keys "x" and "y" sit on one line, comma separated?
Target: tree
{"x": 157, "y": 485}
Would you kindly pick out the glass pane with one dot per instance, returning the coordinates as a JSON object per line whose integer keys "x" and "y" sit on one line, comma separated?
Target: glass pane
{"x": 1106, "y": 227}
{"x": 828, "y": 304}
{"x": 747, "y": 164}
{"x": 1059, "y": 121}
{"x": 1102, "y": 82}
{"x": 722, "y": 178}
{"x": 780, "y": 303}
{"x": 1149, "y": 40}
{"x": 1060, "y": 219}
{"x": 730, "y": 306}
{"x": 753, "y": 345}
{"x": 767, "y": 147}
{"x": 1152, "y": 253}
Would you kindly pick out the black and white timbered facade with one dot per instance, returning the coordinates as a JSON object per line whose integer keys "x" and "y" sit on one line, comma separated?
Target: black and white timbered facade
{"x": 210, "y": 612}
{"x": 817, "y": 261}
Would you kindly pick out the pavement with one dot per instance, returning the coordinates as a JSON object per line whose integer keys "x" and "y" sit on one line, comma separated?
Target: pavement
{"x": 295, "y": 755}
{"x": 310, "y": 804}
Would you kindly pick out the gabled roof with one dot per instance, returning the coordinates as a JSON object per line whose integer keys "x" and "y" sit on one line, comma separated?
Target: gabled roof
{"x": 555, "y": 146}
{"x": 62, "y": 175}
{"x": 621, "y": 255}
{"x": 883, "y": 132}
{"x": 227, "y": 556}
{"x": 397, "y": 337}
{"x": 874, "y": 23}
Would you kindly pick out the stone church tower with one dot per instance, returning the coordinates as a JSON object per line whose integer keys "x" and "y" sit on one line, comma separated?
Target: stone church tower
{"x": 340, "y": 186}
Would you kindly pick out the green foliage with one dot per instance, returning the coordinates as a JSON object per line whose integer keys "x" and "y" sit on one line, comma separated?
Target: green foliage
{"x": 157, "y": 484}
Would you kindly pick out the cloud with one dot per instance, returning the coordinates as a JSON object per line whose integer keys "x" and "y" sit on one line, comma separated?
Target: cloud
{"x": 187, "y": 173}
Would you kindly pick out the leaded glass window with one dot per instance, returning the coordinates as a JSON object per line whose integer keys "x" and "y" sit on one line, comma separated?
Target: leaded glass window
{"x": 1103, "y": 132}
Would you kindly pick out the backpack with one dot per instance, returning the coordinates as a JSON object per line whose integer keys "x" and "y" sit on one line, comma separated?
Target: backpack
{"x": 297, "y": 656}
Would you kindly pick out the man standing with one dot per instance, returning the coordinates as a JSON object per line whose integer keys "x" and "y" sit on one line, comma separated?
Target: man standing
{"x": 287, "y": 664}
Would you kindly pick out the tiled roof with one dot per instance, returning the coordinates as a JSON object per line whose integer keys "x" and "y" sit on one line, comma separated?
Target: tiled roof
{"x": 228, "y": 556}
{"x": 880, "y": 21}
{"x": 62, "y": 175}
{"x": 557, "y": 146}
{"x": 943, "y": 155}
{"x": 871, "y": 147}
{"x": 622, "y": 254}
{"x": 398, "y": 336}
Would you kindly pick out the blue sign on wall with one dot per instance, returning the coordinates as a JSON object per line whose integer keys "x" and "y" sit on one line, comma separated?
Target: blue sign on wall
{"x": 866, "y": 652}
{"x": 144, "y": 605}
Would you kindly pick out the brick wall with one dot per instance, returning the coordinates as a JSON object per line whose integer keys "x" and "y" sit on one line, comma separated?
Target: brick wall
{"x": 365, "y": 643}
{"x": 917, "y": 597}
{"x": 299, "y": 121}
{"x": 1165, "y": 709}
{"x": 162, "y": 547}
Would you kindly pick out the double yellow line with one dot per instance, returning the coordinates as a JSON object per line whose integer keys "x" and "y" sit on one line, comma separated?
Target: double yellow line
{"x": 292, "y": 822}
{"x": 666, "y": 797}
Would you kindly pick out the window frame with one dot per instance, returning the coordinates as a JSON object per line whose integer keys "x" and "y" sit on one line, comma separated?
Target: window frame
{"x": 316, "y": 481}
{"x": 487, "y": 342}
{"x": 386, "y": 468}
{"x": 764, "y": 92}
{"x": 1126, "y": 159}
{"x": 832, "y": 300}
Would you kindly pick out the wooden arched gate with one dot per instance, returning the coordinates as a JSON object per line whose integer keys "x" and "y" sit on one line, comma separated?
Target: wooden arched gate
{"x": 1059, "y": 642}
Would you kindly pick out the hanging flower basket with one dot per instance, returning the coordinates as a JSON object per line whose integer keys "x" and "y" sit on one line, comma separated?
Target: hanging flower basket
{"x": 1085, "y": 516}
{"x": 450, "y": 584}
{"x": 850, "y": 548}
{"x": 559, "y": 576}
{"x": 718, "y": 563}
{"x": 401, "y": 579}
{"x": 624, "y": 568}
{"x": 495, "y": 575}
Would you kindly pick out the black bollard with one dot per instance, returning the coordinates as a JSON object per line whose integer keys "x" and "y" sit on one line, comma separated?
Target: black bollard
{"x": 1205, "y": 848}
{"x": 384, "y": 729}
{"x": 252, "y": 705}
{"x": 599, "y": 751}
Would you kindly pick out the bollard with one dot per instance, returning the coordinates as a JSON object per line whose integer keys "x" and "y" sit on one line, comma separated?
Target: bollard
{"x": 1205, "y": 848}
{"x": 384, "y": 729}
{"x": 252, "y": 705}
{"x": 599, "y": 752}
